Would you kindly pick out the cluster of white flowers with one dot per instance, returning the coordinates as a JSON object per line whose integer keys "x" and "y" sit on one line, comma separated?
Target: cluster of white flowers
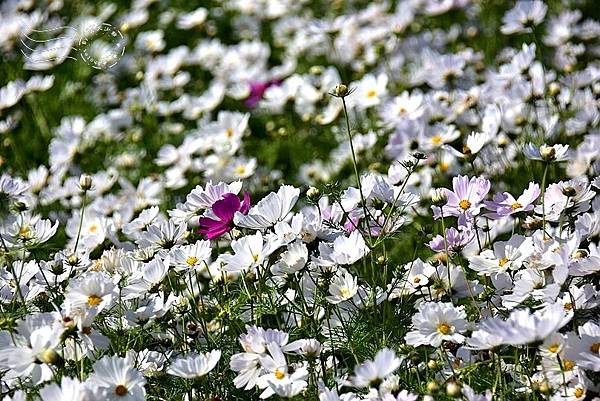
{"x": 218, "y": 216}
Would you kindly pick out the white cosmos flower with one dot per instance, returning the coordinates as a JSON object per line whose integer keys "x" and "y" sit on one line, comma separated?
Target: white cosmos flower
{"x": 554, "y": 153}
{"x": 30, "y": 351}
{"x": 69, "y": 390}
{"x": 93, "y": 290}
{"x": 115, "y": 379}
{"x": 149, "y": 277}
{"x": 437, "y": 322}
{"x": 195, "y": 365}
{"x": 343, "y": 287}
{"x": 370, "y": 372}
{"x": 269, "y": 210}
{"x": 250, "y": 252}
{"x": 506, "y": 255}
{"x": 523, "y": 16}
{"x": 524, "y": 327}
{"x": 343, "y": 251}
{"x": 195, "y": 256}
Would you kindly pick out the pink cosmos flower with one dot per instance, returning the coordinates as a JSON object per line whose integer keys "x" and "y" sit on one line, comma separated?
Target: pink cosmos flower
{"x": 465, "y": 201}
{"x": 457, "y": 240}
{"x": 257, "y": 89}
{"x": 504, "y": 204}
{"x": 223, "y": 211}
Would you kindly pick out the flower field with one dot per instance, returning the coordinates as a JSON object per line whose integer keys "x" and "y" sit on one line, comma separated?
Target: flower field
{"x": 299, "y": 199}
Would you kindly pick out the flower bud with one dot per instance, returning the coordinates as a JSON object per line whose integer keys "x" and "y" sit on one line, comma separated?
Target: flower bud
{"x": 85, "y": 182}
{"x": 569, "y": 191}
{"x": 432, "y": 387}
{"x": 419, "y": 155}
{"x": 453, "y": 389}
{"x": 340, "y": 90}
{"x": 313, "y": 193}
{"x": 432, "y": 364}
{"x": 553, "y": 89}
{"x": 548, "y": 153}
{"x": 48, "y": 356}
{"x": 439, "y": 197}
{"x": 72, "y": 259}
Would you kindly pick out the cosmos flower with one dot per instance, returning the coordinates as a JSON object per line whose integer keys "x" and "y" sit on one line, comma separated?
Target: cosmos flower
{"x": 115, "y": 379}
{"x": 194, "y": 365}
{"x": 456, "y": 239}
{"x": 466, "y": 198}
{"x": 523, "y": 16}
{"x": 257, "y": 89}
{"x": 271, "y": 209}
{"x": 437, "y": 322}
{"x": 554, "y": 153}
{"x": 343, "y": 287}
{"x": 504, "y": 204}
{"x": 372, "y": 371}
{"x": 223, "y": 211}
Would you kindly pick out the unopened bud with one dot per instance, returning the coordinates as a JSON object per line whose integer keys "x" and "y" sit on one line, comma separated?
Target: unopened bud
{"x": 439, "y": 197}
{"x": 553, "y": 89}
{"x": 48, "y": 356}
{"x": 453, "y": 389}
{"x": 313, "y": 193}
{"x": 419, "y": 155}
{"x": 341, "y": 90}
{"x": 72, "y": 259}
{"x": 20, "y": 206}
{"x": 85, "y": 182}
{"x": 548, "y": 153}
{"x": 569, "y": 191}
{"x": 432, "y": 364}
{"x": 432, "y": 387}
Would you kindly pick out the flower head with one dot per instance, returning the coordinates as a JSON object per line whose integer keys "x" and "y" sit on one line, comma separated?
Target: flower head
{"x": 223, "y": 211}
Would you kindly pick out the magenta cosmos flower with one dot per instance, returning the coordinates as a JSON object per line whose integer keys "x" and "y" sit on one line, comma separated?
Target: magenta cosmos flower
{"x": 223, "y": 210}
{"x": 504, "y": 204}
{"x": 257, "y": 89}
{"x": 465, "y": 200}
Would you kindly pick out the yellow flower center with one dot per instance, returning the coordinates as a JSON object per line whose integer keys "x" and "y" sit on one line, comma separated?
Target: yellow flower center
{"x": 229, "y": 133}
{"x": 255, "y": 257}
{"x": 345, "y": 292}
{"x": 371, "y": 93}
{"x": 464, "y": 204}
{"x": 121, "y": 390}
{"x": 516, "y": 206}
{"x": 94, "y": 300}
{"x": 595, "y": 348}
{"x": 444, "y": 167}
{"x": 467, "y": 150}
{"x": 568, "y": 306}
{"x": 402, "y": 110}
{"x": 191, "y": 260}
{"x": 93, "y": 228}
{"x": 436, "y": 140}
{"x": 579, "y": 392}
{"x": 417, "y": 280}
{"x": 568, "y": 364}
{"x": 279, "y": 375}
{"x": 443, "y": 328}
{"x": 25, "y": 232}
{"x": 240, "y": 170}
{"x": 554, "y": 348}
{"x": 502, "y": 262}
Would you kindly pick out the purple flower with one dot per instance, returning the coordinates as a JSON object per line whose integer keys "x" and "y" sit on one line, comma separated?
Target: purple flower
{"x": 257, "y": 89}
{"x": 465, "y": 201}
{"x": 504, "y": 204}
{"x": 223, "y": 210}
{"x": 457, "y": 240}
